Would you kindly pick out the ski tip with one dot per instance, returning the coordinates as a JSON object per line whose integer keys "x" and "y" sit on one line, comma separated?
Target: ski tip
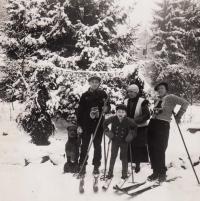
{"x": 115, "y": 187}
{"x": 95, "y": 189}
{"x": 104, "y": 188}
{"x": 82, "y": 191}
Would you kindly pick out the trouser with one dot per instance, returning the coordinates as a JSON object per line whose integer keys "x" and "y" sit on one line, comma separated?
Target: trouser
{"x": 123, "y": 155}
{"x": 86, "y": 137}
{"x": 158, "y": 135}
{"x": 139, "y": 150}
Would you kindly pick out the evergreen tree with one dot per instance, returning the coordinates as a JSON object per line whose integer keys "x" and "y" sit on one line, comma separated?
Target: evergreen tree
{"x": 168, "y": 31}
{"x": 52, "y": 37}
{"x": 176, "y": 35}
{"x": 191, "y": 39}
{"x": 178, "y": 24}
{"x": 70, "y": 34}
{"x": 36, "y": 120}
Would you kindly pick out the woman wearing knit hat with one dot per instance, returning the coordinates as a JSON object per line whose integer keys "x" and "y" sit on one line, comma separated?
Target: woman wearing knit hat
{"x": 158, "y": 130}
{"x": 137, "y": 109}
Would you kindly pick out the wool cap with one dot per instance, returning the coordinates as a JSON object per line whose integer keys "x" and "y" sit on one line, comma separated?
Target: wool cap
{"x": 121, "y": 107}
{"x": 161, "y": 84}
{"x": 133, "y": 88}
{"x": 94, "y": 78}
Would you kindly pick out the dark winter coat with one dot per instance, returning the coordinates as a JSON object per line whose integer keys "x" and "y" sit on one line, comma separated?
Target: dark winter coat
{"x": 88, "y": 101}
{"x": 140, "y": 140}
{"x": 120, "y": 129}
{"x": 131, "y": 107}
{"x": 139, "y": 144}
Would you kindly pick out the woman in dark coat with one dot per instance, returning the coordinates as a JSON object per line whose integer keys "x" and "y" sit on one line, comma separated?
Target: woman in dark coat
{"x": 137, "y": 109}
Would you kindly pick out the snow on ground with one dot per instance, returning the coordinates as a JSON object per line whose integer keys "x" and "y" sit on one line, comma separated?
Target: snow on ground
{"x": 23, "y": 177}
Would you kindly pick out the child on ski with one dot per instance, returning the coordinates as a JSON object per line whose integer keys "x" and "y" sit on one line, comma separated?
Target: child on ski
{"x": 122, "y": 132}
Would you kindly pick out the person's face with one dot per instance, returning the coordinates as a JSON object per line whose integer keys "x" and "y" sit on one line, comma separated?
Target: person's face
{"x": 121, "y": 114}
{"x": 131, "y": 94}
{"x": 94, "y": 84}
{"x": 162, "y": 91}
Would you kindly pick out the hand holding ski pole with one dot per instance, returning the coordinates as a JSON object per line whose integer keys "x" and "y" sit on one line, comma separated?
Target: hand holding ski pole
{"x": 79, "y": 130}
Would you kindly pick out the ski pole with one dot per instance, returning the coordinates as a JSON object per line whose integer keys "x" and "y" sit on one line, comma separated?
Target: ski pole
{"x": 107, "y": 153}
{"x": 105, "y": 157}
{"x": 94, "y": 135}
{"x": 105, "y": 160}
{"x": 130, "y": 149}
{"x": 186, "y": 149}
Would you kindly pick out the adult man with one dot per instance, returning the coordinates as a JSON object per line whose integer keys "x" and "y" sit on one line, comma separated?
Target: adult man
{"x": 90, "y": 108}
{"x": 158, "y": 132}
{"x": 137, "y": 109}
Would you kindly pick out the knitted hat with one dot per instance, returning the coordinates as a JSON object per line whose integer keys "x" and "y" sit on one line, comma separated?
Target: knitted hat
{"x": 94, "y": 78}
{"x": 161, "y": 84}
{"x": 121, "y": 107}
{"x": 133, "y": 88}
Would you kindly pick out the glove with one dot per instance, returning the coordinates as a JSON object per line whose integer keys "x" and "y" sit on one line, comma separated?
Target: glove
{"x": 79, "y": 130}
{"x": 131, "y": 135}
{"x": 109, "y": 134}
{"x": 178, "y": 118}
{"x": 94, "y": 113}
{"x": 105, "y": 109}
{"x": 157, "y": 111}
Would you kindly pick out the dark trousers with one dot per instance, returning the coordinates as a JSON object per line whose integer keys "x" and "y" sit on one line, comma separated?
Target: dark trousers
{"x": 123, "y": 155}
{"x": 139, "y": 147}
{"x": 86, "y": 137}
{"x": 158, "y": 135}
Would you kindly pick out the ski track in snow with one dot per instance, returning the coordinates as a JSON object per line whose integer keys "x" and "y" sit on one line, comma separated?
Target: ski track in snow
{"x": 46, "y": 182}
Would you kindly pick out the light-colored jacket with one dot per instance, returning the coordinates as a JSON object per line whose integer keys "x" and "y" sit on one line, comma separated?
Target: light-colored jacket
{"x": 169, "y": 102}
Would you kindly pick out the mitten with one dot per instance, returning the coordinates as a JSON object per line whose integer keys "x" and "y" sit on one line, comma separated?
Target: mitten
{"x": 178, "y": 118}
{"x": 109, "y": 134}
{"x": 94, "y": 113}
{"x": 131, "y": 135}
{"x": 79, "y": 130}
{"x": 157, "y": 110}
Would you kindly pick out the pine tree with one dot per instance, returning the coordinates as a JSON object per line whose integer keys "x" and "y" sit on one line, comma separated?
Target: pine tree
{"x": 168, "y": 31}
{"x": 178, "y": 25}
{"x": 70, "y": 34}
{"x": 36, "y": 120}
{"x": 192, "y": 37}
{"x": 176, "y": 34}
{"x": 52, "y": 37}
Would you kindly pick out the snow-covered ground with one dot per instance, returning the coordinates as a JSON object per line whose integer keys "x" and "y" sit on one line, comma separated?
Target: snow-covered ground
{"x": 24, "y": 177}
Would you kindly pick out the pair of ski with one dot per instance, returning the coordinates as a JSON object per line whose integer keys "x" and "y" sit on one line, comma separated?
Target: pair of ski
{"x": 82, "y": 183}
{"x": 119, "y": 185}
{"x": 139, "y": 188}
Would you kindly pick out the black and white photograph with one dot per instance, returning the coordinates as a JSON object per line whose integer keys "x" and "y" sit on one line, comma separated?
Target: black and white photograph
{"x": 99, "y": 100}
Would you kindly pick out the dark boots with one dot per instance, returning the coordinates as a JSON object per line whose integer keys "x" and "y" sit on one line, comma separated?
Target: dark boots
{"x": 137, "y": 168}
{"x": 153, "y": 176}
{"x": 161, "y": 177}
{"x": 82, "y": 170}
{"x": 96, "y": 170}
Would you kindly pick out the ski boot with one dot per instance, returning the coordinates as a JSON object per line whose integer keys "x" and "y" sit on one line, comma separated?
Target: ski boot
{"x": 153, "y": 177}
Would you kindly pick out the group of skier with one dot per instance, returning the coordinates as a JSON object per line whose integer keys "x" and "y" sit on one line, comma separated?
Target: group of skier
{"x": 139, "y": 133}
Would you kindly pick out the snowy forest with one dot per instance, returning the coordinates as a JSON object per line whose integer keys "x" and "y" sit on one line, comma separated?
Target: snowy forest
{"x": 48, "y": 51}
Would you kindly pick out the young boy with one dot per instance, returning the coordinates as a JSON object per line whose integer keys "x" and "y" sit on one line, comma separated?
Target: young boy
{"x": 122, "y": 132}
